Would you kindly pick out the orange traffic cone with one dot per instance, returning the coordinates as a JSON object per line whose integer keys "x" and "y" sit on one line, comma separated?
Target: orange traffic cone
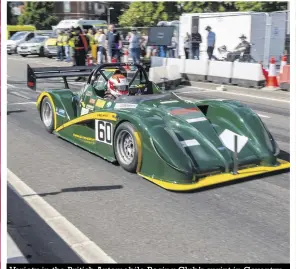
{"x": 283, "y": 63}
{"x": 272, "y": 80}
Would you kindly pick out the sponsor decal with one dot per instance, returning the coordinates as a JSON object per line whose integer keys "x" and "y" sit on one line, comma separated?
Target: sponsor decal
{"x": 90, "y": 107}
{"x": 92, "y": 101}
{"x": 182, "y": 111}
{"x": 109, "y": 104}
{"x": 85, "y": 138}
{"x": 100, "y": 103}
{"x": 227, "y": 137}
{"x": 104, "y": 132}
{"x": 169, "y": 102}
{"x": 88, "y": 93}
{"x": 82, "y": 104}
{"x": 196, "y": 119}
{"x": 84, "y": 111}
{"x": 189, "y": 143}
{"x": 105, "y": 115}
{"x": 125, "y": 105}
{"x": 60, "y": 112}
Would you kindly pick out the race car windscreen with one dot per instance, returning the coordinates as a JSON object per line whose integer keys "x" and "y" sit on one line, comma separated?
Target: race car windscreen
{"x": 160, "y": 36}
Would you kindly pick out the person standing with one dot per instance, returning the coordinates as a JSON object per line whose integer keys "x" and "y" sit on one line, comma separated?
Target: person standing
{"x": 134, "y": 46}
{"x": 195, "y": 43}
{"x": 211, "y": 41}
{"x": 60, "y": 46}
{"x": 101, "y": 51}
{"x": 187, "y": 45}
{"x": 66, "y": 46}
{"x": 114, "y": 44}
{"x": 81, "y": 47}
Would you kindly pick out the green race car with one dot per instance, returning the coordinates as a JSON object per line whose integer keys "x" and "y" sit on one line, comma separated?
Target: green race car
{"x": 179, "y": 145}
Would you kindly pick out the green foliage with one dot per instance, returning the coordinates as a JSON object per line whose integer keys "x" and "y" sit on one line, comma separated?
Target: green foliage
{"x": 261, "y": 6}
{"x": 38, "y": 14}
{"x": 150, "y": 13}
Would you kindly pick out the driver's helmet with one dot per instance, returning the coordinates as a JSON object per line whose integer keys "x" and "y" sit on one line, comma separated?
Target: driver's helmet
{"x": 117, "y": 85}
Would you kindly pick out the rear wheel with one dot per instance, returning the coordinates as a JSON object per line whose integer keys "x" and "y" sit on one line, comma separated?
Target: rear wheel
{"x": 24, "y": 55}
{"x": 126, "y": 148}
{"x": 47, "y": 114}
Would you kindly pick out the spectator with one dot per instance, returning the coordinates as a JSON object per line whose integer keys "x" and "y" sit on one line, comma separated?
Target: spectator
{"x": 134, "y": 46}
{"x": 114, "y": 44}
{"x": 60, "y": 46}
{"x": 187, "y": 45}
{"x": 81, "y": 48}
{"x": 195, "y": 42}
{"x": 172, "y": 49}
{"x": 67, "y": 46}
{"x": 211, "y": 42}
{"x": 101, "y": 40}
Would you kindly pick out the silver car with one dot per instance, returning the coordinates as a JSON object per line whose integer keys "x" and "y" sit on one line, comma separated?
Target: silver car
{"x": 35, "y": 46}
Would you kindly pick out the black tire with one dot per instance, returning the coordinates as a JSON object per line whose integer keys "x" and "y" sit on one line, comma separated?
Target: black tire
{"x": 122, "y": 132}
{"x": 9, "y": 53}
{"x": 49, "y": 57}
{"x": 24, "y": 55}
{"x": 46, "y": 104}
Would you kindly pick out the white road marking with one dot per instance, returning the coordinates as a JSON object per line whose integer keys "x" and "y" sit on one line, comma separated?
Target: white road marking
{"x": 86, "y": 249}
{"x": 21, "y": 95}
{"x": 22, "y": 103}
{"x": 12, "y": 86}
{"x": 205, "y": 90}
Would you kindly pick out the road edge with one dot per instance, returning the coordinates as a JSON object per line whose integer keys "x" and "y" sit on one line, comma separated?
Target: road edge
{"x": 80, "y": 244}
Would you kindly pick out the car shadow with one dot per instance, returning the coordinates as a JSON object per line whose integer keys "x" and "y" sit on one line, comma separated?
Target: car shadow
{"x": 16, "y": 111}
{"x": 80, "y": 189}
{"x": 284, "y": 155}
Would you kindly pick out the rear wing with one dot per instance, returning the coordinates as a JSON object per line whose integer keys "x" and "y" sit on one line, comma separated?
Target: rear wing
{"x": 56, "y": 72}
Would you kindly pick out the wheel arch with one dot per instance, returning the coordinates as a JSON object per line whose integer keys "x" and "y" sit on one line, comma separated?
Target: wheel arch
{"x": 138, "y": 141}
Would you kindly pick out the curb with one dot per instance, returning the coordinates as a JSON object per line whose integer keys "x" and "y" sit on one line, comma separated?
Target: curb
{"x": 14, "y": 255}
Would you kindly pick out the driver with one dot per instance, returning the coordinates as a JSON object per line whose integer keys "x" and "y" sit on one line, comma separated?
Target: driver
{"x": 117, "y": 85}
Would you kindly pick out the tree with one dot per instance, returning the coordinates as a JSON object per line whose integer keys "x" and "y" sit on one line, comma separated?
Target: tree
{"x": 11, "y": 18}
{"x": 148, "y": 13}
{"x": 261, "y": 6}
{"x": 38, "y": 14}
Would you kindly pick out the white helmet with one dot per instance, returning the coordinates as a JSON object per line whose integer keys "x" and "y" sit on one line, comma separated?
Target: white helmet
{"x": 117, "y": 85}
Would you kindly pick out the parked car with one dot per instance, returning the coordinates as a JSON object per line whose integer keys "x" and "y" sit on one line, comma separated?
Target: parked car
{"x": 16, "y": 39}
{"x": 35, "y": 46}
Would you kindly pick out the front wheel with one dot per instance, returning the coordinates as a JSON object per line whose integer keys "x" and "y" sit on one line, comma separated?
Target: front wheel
{"x": 47, "y": 114}
{"x": 126, "y": 148}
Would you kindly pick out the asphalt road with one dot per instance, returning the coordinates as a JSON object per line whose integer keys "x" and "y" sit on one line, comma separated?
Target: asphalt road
{"x": 133, "y": 220}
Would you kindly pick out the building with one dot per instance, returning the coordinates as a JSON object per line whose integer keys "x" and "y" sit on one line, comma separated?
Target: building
{"x": 76, "y": 10}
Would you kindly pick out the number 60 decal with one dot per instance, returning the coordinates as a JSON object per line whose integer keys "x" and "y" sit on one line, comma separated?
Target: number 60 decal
{"x": 104, "y": 132}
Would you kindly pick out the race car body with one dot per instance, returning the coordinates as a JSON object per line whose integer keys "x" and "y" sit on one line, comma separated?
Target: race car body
{"x": 177, "y": 144}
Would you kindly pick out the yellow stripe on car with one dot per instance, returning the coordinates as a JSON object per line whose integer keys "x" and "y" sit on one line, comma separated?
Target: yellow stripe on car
{"x": 92, "y": 116}
{"x": 38, "y": 103}
{"x": 218, "y": 179}
{"x": 139, "y": 144}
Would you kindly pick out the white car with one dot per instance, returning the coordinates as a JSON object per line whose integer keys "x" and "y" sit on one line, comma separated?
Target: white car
{"x": 35, "y": 46}
{"x": 16, "y": 39}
